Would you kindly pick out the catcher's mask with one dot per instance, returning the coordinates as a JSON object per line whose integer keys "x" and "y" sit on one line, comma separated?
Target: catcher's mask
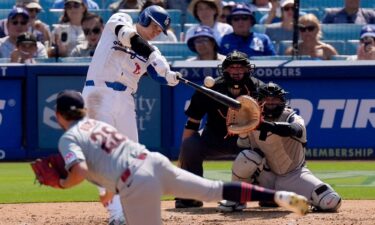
{"x": 241, "y": 62}
{"x": 272, "y": 110}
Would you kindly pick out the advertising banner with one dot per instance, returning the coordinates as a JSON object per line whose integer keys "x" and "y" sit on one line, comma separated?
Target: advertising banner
{"x": 11, "y": 120}
{"x": 147, "y": 101}
{"x": 49, "y": 130}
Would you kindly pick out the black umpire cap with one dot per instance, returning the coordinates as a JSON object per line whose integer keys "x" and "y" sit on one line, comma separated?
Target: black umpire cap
{"x": 69, "y": 100}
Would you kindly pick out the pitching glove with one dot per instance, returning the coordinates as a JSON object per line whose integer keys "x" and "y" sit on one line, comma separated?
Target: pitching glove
{"x": 49, "y": 170}
{"x": 159, "y": 63}
{"x": 171, "y": 78}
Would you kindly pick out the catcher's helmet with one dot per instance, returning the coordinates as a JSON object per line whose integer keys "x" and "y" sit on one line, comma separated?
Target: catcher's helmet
{"x": 157, "y": 14}
{"x": 236, "y": 57}
{"x": 272, "y": 90}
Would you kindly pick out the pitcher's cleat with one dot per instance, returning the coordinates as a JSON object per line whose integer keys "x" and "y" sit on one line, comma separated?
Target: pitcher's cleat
{"x": 292, "y": 201}
{"x": 229, "y": 206}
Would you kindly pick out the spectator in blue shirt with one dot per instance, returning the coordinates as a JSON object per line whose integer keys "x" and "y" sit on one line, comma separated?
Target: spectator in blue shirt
{"x": 242, "y": 39}
{"x": 351, "y": 13}
{"x": 91, "y": 4}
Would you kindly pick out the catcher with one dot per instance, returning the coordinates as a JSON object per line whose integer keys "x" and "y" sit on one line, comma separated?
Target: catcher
{"x": 235, "y": 79}
{"x": 95, "y": 151}
{"x": 275, "y": 154}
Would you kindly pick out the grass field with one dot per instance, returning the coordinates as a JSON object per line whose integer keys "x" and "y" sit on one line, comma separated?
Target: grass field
{"x": 351, "y": 179}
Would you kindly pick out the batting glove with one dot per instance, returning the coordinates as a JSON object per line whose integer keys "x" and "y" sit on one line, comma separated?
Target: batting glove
{"x": 171, "y": 78}
{"x": 159, "y": 63}
{"x": 125, "y": 34}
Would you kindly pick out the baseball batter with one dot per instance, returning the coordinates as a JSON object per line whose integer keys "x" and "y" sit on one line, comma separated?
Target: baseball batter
{"x": 275, "y": 157}
{"x": 98, "y": 152}
{"x": 122, "y": 56}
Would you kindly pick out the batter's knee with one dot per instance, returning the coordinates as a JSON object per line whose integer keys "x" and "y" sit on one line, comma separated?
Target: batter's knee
{"x": 324, "y": 198}
{"x": 247, "y": 164}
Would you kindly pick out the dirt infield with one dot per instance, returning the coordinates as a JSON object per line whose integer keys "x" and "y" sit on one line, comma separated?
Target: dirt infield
{"x": 351, "y": 213}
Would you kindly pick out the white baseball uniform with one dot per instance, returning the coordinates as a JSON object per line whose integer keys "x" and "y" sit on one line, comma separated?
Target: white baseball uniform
{"x": 113, "y": 78}
{"x": 126, "y": 167}
{"x": 111, "y": 81}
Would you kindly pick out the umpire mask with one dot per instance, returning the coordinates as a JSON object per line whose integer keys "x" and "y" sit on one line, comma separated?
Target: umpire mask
{"x": 272, "y": 108}
{"x": 236, "y": 69}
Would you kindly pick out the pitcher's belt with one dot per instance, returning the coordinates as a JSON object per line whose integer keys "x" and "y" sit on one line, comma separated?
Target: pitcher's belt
{"x": 126, "y": 174}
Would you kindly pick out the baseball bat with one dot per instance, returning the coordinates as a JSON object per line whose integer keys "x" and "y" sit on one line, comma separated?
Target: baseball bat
{"x": 228, "y": 101}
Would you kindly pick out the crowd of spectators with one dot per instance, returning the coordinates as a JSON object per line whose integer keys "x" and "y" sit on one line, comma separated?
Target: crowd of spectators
{"x": 220, "y": 27}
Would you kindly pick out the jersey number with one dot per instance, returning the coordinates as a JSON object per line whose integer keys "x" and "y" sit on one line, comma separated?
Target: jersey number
{"x": 109, "y": 139}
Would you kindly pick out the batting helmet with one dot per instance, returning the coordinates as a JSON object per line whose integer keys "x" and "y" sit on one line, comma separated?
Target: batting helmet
{"x": 236, "y": 57}
{"x": 157, "y": 14}
{"x": 272, "y": 90}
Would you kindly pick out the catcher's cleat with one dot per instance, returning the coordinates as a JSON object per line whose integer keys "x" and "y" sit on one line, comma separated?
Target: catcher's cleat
{"x": 292, "y": 201}
{"x": 187, "y": 203}
{"x": 229, "y": 206}
{"x": 118, "y": 221}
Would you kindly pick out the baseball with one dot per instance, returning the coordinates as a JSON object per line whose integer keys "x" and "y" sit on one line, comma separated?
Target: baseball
{"x": 209, "y": 81}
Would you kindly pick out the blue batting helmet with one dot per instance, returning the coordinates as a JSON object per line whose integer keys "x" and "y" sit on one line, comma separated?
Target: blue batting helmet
{"x": 157, "y": 14}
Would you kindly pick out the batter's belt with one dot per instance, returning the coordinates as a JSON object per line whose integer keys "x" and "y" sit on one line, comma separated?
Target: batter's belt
{"x": 117, "y": 86}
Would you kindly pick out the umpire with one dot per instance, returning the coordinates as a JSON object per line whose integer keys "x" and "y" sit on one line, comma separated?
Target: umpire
{"x": 235, "y": 79}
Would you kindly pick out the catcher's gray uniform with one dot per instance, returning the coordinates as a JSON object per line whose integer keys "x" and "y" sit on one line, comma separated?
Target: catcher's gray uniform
{"x": 279, "y": 163}
{"x": 125, "y": 167}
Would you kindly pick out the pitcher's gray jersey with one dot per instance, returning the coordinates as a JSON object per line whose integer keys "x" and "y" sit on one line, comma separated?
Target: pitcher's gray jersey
{"x": 107, "y": 153}
{"x": 283, "y": 154}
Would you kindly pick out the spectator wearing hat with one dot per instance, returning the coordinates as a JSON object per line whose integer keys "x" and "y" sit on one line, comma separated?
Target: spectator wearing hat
{"x": 366, "y": 48}
{"x": 207, "y": 13}
{"x": 282, "y": 30}
{"x": 126, "y": 4}
{"x": 17, "y": 23}
{"x": 225, "y": 10}
{"x": 260, "y": 5}
{"x": 68, "y": 34}
{"x": 351, "y": 13}
{"x": 41, "y": 30}
{"x": 90, "y": 4}
{"x": 204, "y": 44}
{"x": 92, "y": 26}
{"x": 26, "y": 48}
{"x": 242, "y": 39}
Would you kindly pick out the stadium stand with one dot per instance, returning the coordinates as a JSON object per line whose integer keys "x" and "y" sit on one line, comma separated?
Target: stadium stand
{"x": 6, "y": 4}
{"x": 333, "y": 3}
{"x": 174, "y": 51}
{"x": 4, "y": 12}
{"x": 341, "y": 31}
{"x": 190, "y": 19}
{"x": 351, "y": 47}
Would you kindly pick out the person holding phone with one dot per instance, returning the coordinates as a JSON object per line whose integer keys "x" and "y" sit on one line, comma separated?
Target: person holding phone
{"x": 17, "y": 23}
{"x": 366, "y": 48}
{"x": 69, "y": 33}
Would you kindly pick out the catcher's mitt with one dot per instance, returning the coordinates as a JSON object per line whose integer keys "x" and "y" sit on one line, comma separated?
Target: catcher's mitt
{"x": 246, "y": 118}
{"x": 49, "y": 170}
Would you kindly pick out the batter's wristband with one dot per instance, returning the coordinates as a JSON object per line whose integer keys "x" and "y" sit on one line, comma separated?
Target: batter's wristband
{"x": 192, "y": 125}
